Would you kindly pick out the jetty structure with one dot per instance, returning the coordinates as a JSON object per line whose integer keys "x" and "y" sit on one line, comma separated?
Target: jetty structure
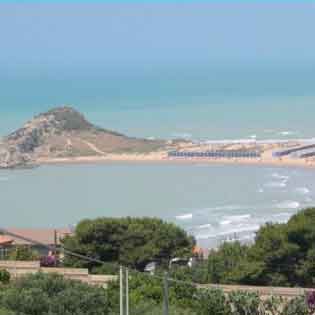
{"x": 303, "y": 151}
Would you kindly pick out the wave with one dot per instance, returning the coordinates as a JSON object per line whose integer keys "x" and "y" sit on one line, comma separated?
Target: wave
{"x": 279, "y": 176}
{"x": 185, "y": 216}
{"x": 228, "y": 207}
{"x": 287, "y": 133}
{"x": 281, "y": 184}
{"x": 288, "y": 205}
{"x": 303, "y": 190}
{"x": 234, "y": 230}
{"x": 225, "y": 222}
{"x": 281, "y": 214}
{"x": 204, "y": 226}
{"x": 237, "y": 218}
{"x": 229, "y": 219}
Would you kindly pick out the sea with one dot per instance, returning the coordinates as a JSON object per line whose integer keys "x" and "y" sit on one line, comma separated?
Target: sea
{"x": 215, "y": 203}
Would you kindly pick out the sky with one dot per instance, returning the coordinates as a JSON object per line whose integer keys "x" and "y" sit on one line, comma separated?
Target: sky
{"x": 50, "y": 36}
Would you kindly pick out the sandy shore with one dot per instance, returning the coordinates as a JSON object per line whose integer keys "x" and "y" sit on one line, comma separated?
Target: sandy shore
{"x": 265, "y": 160}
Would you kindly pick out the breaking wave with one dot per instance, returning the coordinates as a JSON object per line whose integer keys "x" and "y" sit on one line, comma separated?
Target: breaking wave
{"x": 204, "y": 226}
{"x": 279, "y": 176}
{"x": 288, "y": 205}
{"x": 276, "y": 184}
{"x": 185, "y": 216}
{"x": 303, "y": 190}
{"x": 227, "y": 232}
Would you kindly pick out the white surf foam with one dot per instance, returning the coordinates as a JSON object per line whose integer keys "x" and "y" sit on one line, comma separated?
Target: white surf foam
{"x": 303, "y": 190}
{"x": 240, "y": 229}
{"x": 237, "y": 218}
{"x": 230, "y": 219}
{"x": 204, "y": 226}
{"x": 228, "y": 207}
{"x": 281, "y": 184}
{"x": 185, "y": 216}
{"x": 288, "y": 205}
{"x": 225, "y": 222}
{"x": 280, "y": 176}
{"x": 287, "y": 133}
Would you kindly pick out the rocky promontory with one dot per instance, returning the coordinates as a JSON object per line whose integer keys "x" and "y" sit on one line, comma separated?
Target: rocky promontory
{"x": 63, "y": 132}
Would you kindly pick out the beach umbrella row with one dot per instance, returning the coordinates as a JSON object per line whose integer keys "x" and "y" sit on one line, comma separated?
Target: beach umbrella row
{"x": 218, "y": 153}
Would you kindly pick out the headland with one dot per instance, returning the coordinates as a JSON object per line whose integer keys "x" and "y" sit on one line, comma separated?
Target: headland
{"x": 63, "y": 135}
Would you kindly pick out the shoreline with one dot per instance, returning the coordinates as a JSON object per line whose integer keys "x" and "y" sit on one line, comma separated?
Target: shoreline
{"x": 137, "y": 159}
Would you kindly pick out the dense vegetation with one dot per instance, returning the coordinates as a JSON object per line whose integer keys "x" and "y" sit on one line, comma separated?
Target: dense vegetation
{"x": 43, "y": 294}
{"x": 132, "y": 242}
{"x": 282, "y": 254}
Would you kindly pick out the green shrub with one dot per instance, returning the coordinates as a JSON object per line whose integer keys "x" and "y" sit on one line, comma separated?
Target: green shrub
{"x": 296, "y": 306}
{"x": 4, "y": 311}
{"x": 212, "y": 301}
{"x": 244, "y": 303}
{"x": 4, "y": 276}
{"x": 43, "y": 294}
{"x": 272, "y": 306}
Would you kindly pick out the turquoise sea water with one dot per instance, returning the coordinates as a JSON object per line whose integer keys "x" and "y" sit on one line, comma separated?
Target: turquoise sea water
{"x": 206, "y": 102}
{"x": 212, "y": 202}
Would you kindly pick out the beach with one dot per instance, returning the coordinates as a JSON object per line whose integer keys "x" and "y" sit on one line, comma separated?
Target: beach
{"x": 266, "y": 158}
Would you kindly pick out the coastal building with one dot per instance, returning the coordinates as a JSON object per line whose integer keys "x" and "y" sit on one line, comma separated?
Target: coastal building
{"x": 25, "y": 237}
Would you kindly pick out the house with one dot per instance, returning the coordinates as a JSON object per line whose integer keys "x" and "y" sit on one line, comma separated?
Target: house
{"x": 42, "y": 238}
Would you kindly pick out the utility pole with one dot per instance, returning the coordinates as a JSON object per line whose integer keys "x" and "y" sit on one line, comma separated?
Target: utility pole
{"x": 121, "y": 293}
{"x": 127, "y": 291}
{"x": 165, "y": 295}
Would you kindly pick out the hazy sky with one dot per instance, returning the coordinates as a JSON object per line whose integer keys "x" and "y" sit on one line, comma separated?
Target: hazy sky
{"x": 86, "y": 35}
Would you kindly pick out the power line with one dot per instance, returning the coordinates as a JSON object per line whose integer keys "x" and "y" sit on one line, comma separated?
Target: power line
{"x": 90, "y": 259}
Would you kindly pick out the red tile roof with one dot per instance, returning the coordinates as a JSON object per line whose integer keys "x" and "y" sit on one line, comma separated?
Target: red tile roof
{"x": 45, "y": 236}
{"x": 5, "y": 240}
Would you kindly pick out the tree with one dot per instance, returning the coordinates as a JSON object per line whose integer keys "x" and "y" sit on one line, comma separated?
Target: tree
{"x": 282, "y": 255}
{"x": 224, "y": 264}
{"x": 129, "y": 241}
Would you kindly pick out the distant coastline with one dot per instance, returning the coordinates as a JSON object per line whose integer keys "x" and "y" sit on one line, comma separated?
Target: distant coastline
{"x": 163, "y": 158}
{"x": 63, "y": 136}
